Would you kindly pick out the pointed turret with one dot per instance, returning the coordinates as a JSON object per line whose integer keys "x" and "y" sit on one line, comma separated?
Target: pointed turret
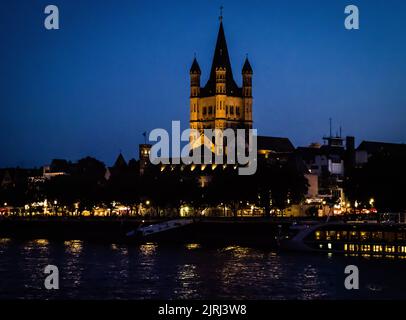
{"x": 195, "y": 68}
{"x": 246, "y": 69}
{"x": 195, "y": 79}
{"x": 247, "y": 79}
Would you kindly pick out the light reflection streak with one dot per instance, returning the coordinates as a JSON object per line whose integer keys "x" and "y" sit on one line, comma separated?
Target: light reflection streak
{"x": 72, "y": 268}
{"x": 193, "y": 246}
{"x": 188, "y": 282}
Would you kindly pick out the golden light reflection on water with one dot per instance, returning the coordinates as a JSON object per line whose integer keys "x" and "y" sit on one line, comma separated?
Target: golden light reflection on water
{"x": 308, "y": 283}
{"x": 235, "y": 266}
{"x": 193, "y": 246}
{"x": 74, "y": 246}
{"x": 237, "y": 251}
{"x": 36, "y": 245}
{"x": 152, "y": 271}
{"x": 187, "y": 272}
{"x": 188, "y": 281}
{"x": 73, "y": 269}
{"x": 4, "y": 240}
{"x": 148, "y": 249}
{"x": 41, "y": 242}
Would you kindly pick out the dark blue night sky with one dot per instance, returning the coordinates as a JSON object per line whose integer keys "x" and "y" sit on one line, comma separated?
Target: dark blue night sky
{"x": 118, "y": 68}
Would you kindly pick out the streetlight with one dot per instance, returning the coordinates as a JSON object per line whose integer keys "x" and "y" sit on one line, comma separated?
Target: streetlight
{"x": 371, "y": 202}
{"x": 55, "y": 209}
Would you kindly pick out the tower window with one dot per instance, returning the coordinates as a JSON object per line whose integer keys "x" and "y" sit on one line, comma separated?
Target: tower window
{"x": 231, "y": 110}
{"x": 210, "y": 110}
{"x": 204, "y": 111}
{"x": 237, "y": 110}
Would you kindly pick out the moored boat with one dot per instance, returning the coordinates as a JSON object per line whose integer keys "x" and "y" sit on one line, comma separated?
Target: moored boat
{"x": 348, "y": 237}
{"x": 145, "y": 231}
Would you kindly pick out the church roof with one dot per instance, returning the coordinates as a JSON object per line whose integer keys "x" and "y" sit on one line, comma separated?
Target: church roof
{"x": 376, "y": 147}
{"x": 275, "y": 144}
{"x": 221, "y": 59}
{"x": 120, "y": 162}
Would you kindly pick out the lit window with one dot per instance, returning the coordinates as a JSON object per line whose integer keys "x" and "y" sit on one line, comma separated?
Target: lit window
{"x": 364, "y": 235}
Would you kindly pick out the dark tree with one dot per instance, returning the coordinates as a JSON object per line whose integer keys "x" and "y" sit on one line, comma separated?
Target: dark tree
{"x": 382, "y": 178}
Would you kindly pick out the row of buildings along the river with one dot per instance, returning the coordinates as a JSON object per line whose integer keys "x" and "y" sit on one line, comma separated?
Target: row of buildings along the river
{"x": 221, "y": 104}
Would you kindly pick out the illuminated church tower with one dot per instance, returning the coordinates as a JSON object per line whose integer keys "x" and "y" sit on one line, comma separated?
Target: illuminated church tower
{"x": 221, "y": 103}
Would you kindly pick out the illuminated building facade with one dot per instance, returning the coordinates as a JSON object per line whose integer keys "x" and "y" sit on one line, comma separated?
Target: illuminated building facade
{"x": 221, "y": 103}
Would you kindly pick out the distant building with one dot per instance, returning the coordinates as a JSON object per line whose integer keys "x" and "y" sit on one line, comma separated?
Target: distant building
{"x": 327, "y": 162}
{"x": 274, "y": 148}
{"x": 12, "y": 177}
{"x": 6, "y": 179}
{"x": 144, "y": 151}
{"x": 58, "y": 167}
{"x": 366, "y": 149}
{"x": 122, "y": 169}
{"x": 220, "y": 104}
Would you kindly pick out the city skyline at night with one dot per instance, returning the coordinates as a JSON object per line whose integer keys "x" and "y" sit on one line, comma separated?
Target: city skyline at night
{"x": 94, "y": 86}
{"x": 199, "y": 159}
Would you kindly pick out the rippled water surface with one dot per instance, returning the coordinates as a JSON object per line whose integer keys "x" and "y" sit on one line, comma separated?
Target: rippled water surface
{"x": 149, "y": 271}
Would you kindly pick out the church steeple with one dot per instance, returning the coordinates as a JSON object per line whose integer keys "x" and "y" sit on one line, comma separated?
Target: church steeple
{"x": 221, "y": 61}
{"x": 120, "y": 162}
{"x": 221, "y": 103}
{"x": 221, "y": 57}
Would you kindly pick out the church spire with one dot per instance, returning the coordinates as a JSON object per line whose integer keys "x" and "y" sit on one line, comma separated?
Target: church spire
{"x": 221, "y": 13}
{"x": 221, "y": 59}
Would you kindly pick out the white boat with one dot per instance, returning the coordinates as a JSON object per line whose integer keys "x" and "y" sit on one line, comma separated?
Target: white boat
{"x": 144, "y": 231}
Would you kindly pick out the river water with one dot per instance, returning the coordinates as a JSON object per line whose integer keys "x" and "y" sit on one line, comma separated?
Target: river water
{"x": 90, "y": 270}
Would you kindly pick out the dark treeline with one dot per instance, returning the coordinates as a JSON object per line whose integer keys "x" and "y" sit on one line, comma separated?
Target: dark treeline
{"x": 89, "y": 183}
{"x": 276, "y": 184}
{"x": 383, "y": 179}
